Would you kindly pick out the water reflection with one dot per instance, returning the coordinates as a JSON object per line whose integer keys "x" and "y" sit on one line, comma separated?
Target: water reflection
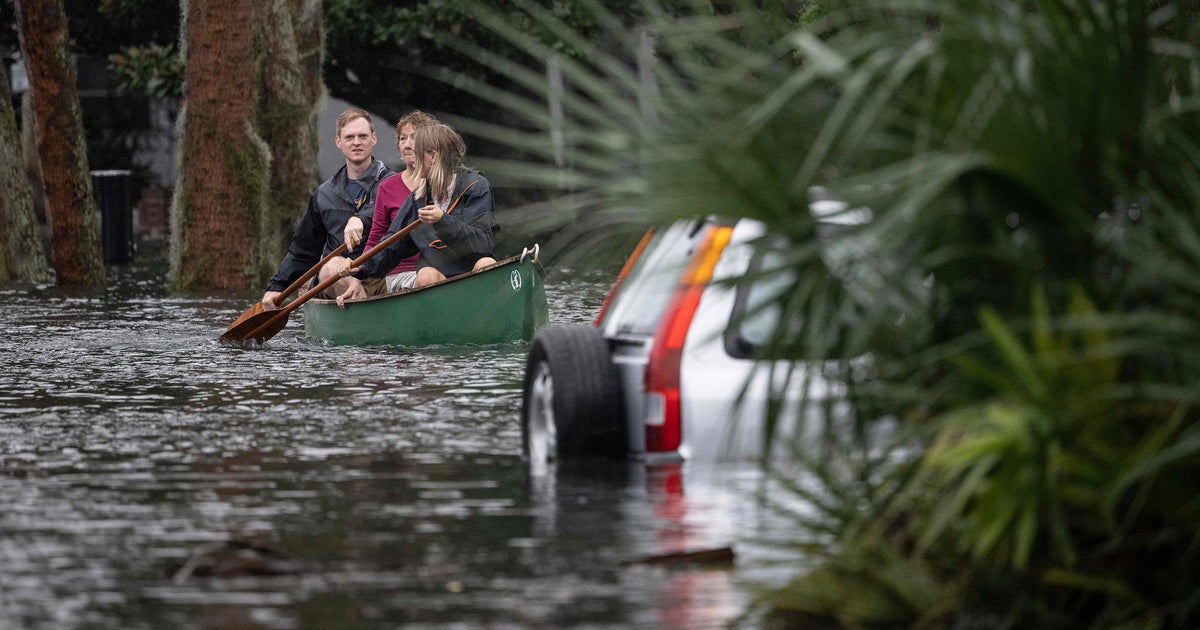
{"x": 129, "y": 438}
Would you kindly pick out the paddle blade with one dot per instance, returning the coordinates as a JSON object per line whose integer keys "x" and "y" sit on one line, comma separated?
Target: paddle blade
{"x": 250, "y": 326}
{"x": 250, "y": 312}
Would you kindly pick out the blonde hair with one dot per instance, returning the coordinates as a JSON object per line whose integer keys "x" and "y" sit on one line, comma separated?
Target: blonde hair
{"x": 450, "y": 152}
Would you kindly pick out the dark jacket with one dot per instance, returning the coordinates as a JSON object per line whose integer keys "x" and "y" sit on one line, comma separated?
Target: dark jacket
{"x": 322, "y": 227}
{"x": 452, "y": 245}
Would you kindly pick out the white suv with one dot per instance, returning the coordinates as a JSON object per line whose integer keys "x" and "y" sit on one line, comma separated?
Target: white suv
{"x": 668, "y": 371}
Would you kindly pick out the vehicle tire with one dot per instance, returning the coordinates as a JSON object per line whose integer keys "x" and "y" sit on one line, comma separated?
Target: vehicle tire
{"x": 573, "y": 406}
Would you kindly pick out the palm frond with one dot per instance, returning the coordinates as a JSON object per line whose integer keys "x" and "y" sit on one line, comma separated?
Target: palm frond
{"x": 1020, "y": 307}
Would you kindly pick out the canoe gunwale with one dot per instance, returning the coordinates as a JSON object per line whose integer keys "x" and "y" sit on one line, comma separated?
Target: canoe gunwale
{"x": 403, "y": 292}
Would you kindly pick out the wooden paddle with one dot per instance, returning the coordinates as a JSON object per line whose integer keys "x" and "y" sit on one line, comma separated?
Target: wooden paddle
{"x": 257, "y": 314}
{"x": 263, "y": 325}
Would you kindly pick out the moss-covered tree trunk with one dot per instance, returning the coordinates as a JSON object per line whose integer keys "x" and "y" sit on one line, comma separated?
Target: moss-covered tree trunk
{"x": 62, "y": 148}
{"x": 33, "y": 165}
{"x": 291, "y": 49}
{"x": 23, "y": 259}
{"x": 248, "y": 159}
{"x": 224, "y": 169}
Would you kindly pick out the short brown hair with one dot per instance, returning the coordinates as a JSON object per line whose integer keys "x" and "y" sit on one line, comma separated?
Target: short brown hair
{"x": 416, "y": 118}
{"x": 345, "y": 117}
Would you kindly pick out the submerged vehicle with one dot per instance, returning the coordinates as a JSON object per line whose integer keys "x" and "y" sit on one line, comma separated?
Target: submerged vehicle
{"x": 671, "y": 369}
{"x": 501, "y": 303}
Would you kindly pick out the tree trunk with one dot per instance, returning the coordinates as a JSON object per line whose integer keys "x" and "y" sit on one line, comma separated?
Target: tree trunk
{"x": 70, "y": 206}
{"x": 23, "y": 258}
{"x": 221, "y": 191}
{"x": 249, "y": 150}
{"x": 291, "y": 50}
{"x": 33, "y": 165}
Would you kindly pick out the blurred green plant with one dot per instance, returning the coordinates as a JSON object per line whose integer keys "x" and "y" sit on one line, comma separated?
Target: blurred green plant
{"x": 1003, "y": 470}
{"x": 1026, "y": 455}
{"x": 152, "y": 69}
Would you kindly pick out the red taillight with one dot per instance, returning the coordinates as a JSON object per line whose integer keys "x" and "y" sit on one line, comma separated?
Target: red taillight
{"x": 629, "y": 262}
{"x": 663, "y": 422}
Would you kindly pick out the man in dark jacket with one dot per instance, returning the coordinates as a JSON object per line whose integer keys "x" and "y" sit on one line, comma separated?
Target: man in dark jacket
{"x": 349, "y": 194}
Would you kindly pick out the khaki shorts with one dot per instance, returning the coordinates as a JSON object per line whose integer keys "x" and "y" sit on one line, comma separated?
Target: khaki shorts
{"x": 374, "y": 286}
{"x": 391, "y": 284}
{"x": 326, "y": 294}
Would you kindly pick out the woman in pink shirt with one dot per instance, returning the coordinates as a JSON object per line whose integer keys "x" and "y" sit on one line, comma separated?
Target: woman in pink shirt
{"x": 390, "y": 196}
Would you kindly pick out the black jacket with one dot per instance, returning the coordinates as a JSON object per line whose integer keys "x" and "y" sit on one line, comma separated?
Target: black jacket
{"x": 322, "y": 227}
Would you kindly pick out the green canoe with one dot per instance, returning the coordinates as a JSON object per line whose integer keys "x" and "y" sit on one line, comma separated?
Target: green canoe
{"x": 504, "y": 302}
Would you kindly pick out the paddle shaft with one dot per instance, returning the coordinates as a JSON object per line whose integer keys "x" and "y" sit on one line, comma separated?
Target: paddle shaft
{"x": 328, "y": 282}
{"x": 309, "y": 274}
{"x": 248, "y": 318}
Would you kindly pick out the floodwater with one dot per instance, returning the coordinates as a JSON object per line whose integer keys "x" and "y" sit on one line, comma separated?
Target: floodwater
{"x": 153, "y": 478}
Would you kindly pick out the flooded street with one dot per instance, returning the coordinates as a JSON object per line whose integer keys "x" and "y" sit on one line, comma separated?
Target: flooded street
{"x": 153, "y": 478}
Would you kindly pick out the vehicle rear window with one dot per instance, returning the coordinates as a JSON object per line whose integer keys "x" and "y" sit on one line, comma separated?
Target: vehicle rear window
{"x": 757, "y": 310}
{"x": 646, "y": 292}
{"x": 761, "y": 328}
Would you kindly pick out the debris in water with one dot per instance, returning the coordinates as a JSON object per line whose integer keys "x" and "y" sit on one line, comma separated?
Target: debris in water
{"x": 237, "y": 557}
{"x": 719, "y": 556}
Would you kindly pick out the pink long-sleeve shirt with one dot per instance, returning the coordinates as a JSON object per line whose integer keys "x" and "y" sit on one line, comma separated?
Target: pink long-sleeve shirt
{"x": 388, "y": 199}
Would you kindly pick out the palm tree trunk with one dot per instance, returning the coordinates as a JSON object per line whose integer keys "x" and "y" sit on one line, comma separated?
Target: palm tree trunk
{"x": 23, "y": 258}
{"x": 291, "y": 47}
{"x": 71, "y": 208}
{"x": 223, "y": 179}
{"x": 249, "y": 149}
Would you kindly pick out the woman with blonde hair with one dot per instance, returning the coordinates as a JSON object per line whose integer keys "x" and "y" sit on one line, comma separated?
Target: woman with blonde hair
{"x": 455, "y": 207}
